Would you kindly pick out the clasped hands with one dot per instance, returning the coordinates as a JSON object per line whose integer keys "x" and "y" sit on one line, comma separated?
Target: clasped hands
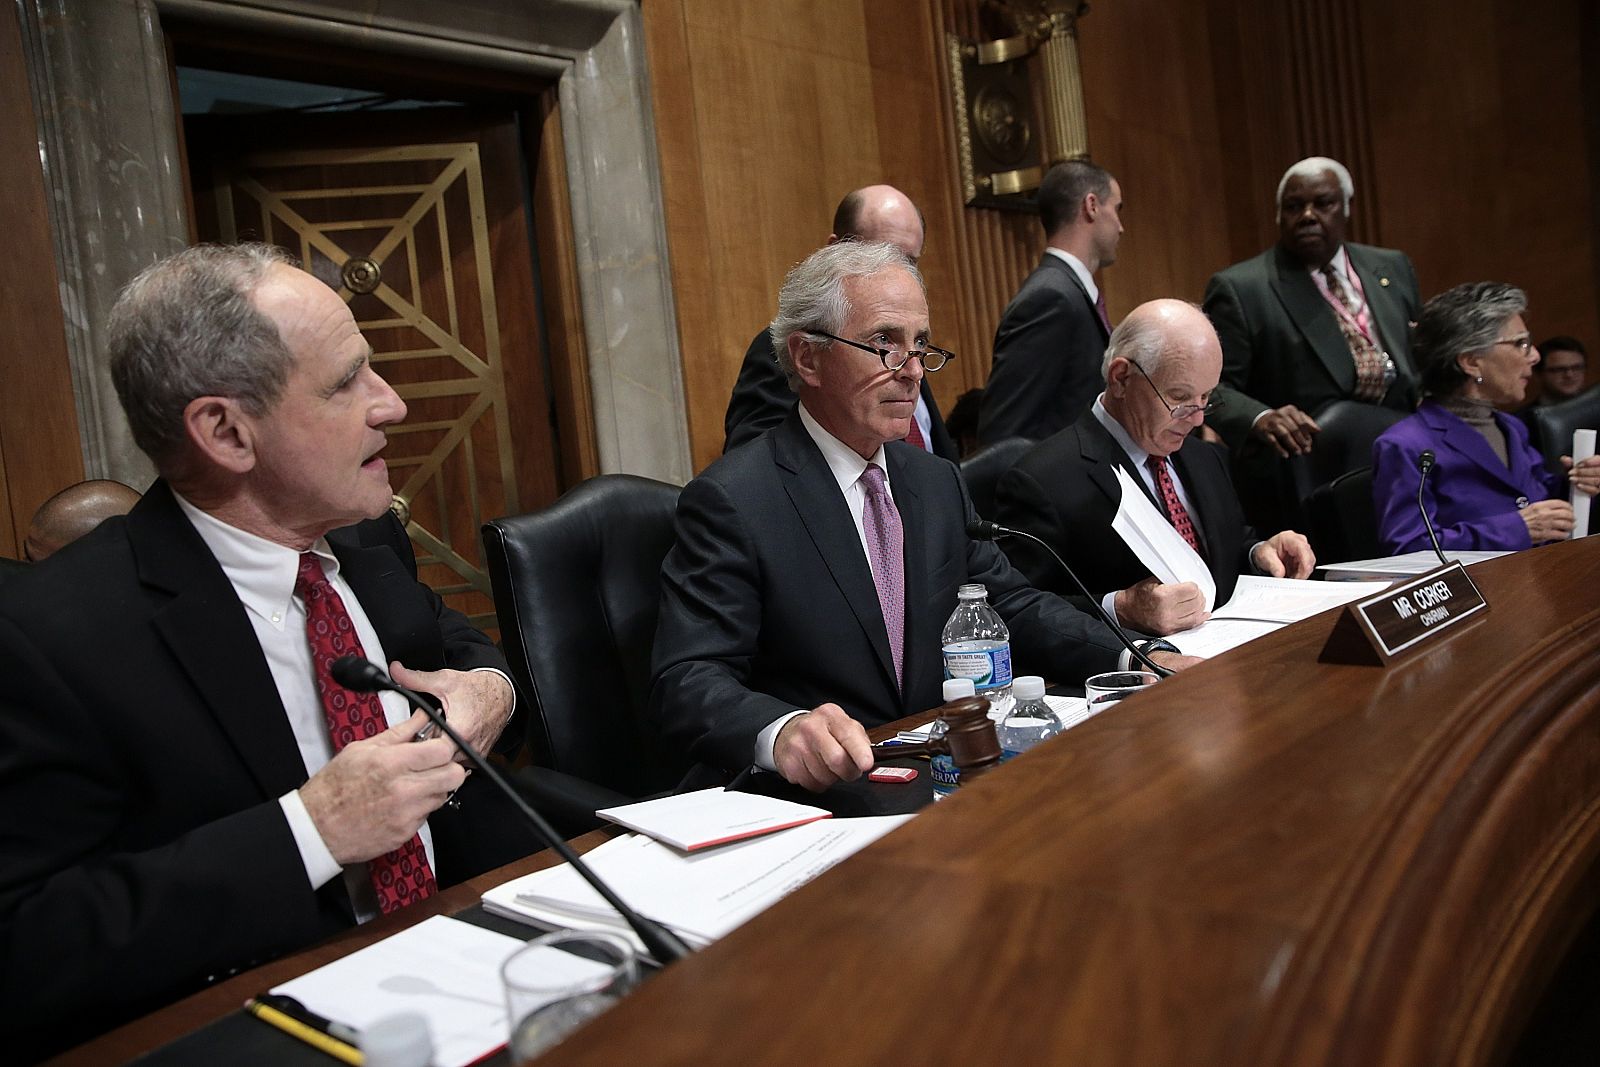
{"x": 1159, "y": 609}
{"x": 374, "y": 794}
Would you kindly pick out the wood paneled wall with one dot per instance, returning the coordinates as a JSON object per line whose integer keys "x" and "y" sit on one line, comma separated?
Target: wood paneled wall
{"x": 1468, "y": 124}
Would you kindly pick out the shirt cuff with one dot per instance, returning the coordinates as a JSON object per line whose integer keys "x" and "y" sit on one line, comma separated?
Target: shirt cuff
{"x": 1259, "y": 416}
{"x": 321, "y": 867}
{"x": 1109, "y": 603}
{"x": 767, "y": 740}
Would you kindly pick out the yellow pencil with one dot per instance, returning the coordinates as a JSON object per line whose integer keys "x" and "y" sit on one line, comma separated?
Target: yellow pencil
{"x": 339, "y": 1050}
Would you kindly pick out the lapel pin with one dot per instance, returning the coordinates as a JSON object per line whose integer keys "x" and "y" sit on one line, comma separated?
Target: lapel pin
{"x": 1384, "y": 282}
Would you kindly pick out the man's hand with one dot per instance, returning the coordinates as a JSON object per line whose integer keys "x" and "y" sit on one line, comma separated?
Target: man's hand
{"x": 822, "y": 747}
{"x": 1156, "y": 609}
{"x": 1174, "y": 661}
{"x": 1287, "y": 429}
{"x": 1284, "y": 555}
{"x": 1585, "y": 476}
{"x": 1548, "y": 520}
{"x": 371, "y": 797}
{"x": 477, "y": 703}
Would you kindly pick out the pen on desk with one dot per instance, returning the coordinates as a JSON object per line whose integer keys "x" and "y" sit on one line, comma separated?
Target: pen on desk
{"x": 294, "y": 1019}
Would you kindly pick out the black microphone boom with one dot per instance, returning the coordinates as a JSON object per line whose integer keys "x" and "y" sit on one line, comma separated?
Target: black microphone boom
{"x": 1424, "y": 465}
{"x": 984, "y": 530}
{"x": 362, "y": 676}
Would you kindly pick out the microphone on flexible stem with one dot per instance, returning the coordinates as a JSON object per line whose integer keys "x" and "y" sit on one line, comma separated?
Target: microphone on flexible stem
{"x": 358, "y": 674}
{"x": 984, "y": 530}
{"x": 1424, "y": 465}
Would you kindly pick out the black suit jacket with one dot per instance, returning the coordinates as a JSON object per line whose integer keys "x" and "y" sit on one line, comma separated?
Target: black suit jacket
{"x": 762, "y": 397}
{"x": 1281, "y": 342}
{"x": 1065, "y": 492}
{"x": 143, "y": 747}
{"x": 1047, "y": 355}
{"x": 768, "y": 604}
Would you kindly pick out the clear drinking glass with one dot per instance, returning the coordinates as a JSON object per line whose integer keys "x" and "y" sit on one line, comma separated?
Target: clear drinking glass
{"x": 560, "y": 981}
{"x": 1105, "y": 689}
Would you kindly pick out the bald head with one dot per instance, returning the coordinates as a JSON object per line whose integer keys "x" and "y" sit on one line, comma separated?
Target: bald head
{"x": 72, "y": 513}
{"x": 1163, "y": 357}
{"x": 880, "y": 213}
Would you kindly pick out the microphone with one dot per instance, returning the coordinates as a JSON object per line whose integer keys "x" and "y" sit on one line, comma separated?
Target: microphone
{"x": 984, "y": 530}
{"x": 1424, "y": 465}
{"x": 361, "y": 676}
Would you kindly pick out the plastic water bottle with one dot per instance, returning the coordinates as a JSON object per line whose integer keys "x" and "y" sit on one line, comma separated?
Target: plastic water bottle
{"x": 942, "y": 769}
{"x": 977, "y": 645}
{"x": 1030, "y": 720}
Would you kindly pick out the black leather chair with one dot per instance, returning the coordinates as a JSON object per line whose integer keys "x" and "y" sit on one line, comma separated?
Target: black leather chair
{"x": 982, "y": 470}
{"x": 1344, "y": 443}
{"x": 577, "y": 588}
{"x": 1344, "y": 521}
{"x": 1553, "y": 425}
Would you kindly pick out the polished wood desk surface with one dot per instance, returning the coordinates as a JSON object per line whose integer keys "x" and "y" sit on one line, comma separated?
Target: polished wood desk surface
{"x": 1264, "y": 860}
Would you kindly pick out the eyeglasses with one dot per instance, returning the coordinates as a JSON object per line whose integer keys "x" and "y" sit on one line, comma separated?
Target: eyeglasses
{"x": 1182, "y": 411}
{"x": 1521, "y": 344}
{"x": 894, "y": 358}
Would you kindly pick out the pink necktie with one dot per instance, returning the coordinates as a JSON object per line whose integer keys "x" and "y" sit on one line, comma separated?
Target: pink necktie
{"x": 880, "y": 521}
{"x": 400, "y": 877}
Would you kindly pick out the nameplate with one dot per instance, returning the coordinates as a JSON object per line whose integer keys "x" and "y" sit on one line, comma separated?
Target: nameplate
{"x": 1404, "y": 617}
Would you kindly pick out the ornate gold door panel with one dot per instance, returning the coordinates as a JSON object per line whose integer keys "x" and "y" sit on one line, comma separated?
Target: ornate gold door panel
{"x": 408, "y": 236}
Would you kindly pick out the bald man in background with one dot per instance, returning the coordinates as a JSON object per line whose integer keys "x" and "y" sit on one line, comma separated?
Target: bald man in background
{"x": 73, "y": 512}
{"x": 762, "y": 397}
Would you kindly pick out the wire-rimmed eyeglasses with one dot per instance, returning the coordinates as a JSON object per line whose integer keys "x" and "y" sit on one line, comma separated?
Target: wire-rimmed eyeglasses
{"x": 1182, "y": 411}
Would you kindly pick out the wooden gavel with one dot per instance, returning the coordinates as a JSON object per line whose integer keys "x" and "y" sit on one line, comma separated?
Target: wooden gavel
{"x": 970, "y": 741}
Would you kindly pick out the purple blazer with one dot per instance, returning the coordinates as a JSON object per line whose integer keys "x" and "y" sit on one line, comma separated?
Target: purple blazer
{"x": 1472, "y": 497}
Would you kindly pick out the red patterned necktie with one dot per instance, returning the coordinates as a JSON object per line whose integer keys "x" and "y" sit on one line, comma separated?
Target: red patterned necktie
{"x": 1176, "y": 512}
{"x": 915, "y": 436}
{"x": 400, "y": 877}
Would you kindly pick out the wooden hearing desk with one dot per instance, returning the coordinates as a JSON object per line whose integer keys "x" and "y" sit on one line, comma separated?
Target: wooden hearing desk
{"x": 1265, "y": 860}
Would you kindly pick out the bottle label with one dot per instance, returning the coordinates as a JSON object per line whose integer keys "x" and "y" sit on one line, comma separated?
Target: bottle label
{"x": 988, "y": 668}
{"x": 944, "y": 773}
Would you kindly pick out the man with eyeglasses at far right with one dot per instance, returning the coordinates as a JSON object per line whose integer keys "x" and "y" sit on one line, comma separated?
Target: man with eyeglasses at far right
{"x": 1161, "y": 370}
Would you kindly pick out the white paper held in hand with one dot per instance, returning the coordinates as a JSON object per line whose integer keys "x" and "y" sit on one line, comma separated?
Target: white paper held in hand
{"x": 1582, "y": 449}
{"x": 1159, "y": 547}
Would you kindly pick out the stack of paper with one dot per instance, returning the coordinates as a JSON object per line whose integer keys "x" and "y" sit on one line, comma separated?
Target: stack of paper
{"x": 1394, "y": 568}
{"x": 1159, "y": 547}
{"x": 715, "y": 816}
{"x": 700, "y": 895}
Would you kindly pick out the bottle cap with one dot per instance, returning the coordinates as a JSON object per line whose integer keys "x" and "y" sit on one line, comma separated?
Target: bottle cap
{"x": 956, "y": 688}
{"x": 399, "y": 1040}
{"x": 1028, "y": 687}
{"x": 972, "y": 591}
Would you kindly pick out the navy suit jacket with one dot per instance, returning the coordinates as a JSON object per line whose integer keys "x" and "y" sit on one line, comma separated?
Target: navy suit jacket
{"x": 1047, "y": 355}
{"x": 762, "y": 397}
{"x": 768, "y": 605}
{"x": 1065, "y": 492}
{"x": 143, "y": 747}
{"x": 1472, "y": 498}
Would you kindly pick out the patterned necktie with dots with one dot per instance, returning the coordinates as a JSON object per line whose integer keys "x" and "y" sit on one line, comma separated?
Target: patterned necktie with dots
{"x": 400, "y": 877}
{"x": 1176, "y": 512}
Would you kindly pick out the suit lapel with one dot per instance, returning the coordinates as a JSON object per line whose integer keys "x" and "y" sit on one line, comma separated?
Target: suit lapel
{"x": 821, "y": 509}
{"x": 403, "y": 623}
{"x": 1205, "y": 497}
{"x": 1100, "y": 453}
{"x": 1384, "y": 302}
{"x": 1470, "y": 445}
{"x": 1313, "y": 318}
{"x": 1077, "y": 284}
{"x": 206, "y": 628}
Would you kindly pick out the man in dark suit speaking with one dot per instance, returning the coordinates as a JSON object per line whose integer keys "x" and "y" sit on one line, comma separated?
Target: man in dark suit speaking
{"x": 1161, "y": 372}
{"x": 184, "y": 790}
{"x": 815, "y": 567}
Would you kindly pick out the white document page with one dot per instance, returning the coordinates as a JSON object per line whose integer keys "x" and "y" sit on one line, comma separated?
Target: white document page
{"x": 713, "y": 816}
{"x": 1215, "y": 636}
{"x": 447, "y": 970}
{"x": 1159, "y": 547}
{"x": 1394, "y": 568}
{"x": 1582, "y": 449}
{"x": 701, "y": 895}
{"x": 1290, "y": 599}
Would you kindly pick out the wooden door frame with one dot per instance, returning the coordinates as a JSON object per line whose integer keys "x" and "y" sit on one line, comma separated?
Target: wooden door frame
{"x": 113, "y": 53}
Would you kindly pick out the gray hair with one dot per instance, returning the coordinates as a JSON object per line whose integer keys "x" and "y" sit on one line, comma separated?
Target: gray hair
{"x": 186, "y": 328}
{"x": 812, "y": 297}
{"x": 1458, "y": 321}
{"x": 1313, "y": 167}
{"x": 1138, "y": 339}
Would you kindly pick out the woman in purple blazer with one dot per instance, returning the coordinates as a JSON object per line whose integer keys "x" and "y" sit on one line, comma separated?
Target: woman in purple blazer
{"x": 1488, "y": 488}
